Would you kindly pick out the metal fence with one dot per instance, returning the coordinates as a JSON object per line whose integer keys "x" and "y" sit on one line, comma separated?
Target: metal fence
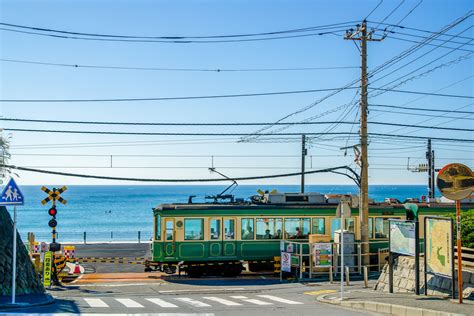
{"x": 96, "y": 236}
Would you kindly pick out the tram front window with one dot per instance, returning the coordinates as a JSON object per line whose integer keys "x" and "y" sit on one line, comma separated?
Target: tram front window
{"x": 158, "y": 227}
{"x": 193, "y": 229}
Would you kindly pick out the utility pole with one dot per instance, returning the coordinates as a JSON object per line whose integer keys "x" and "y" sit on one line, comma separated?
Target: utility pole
{"x": 428, "y": 157}
{"x": 304, "y": 152}
{"x": 361, "y": 35}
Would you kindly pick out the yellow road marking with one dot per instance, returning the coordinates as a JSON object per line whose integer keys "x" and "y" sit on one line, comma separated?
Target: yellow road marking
{"x": 320, "y": 292}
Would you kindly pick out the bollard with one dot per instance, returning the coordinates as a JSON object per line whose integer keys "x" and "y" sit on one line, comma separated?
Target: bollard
{"x": 138, "y": 236}
{"x": 366, "y": 276}
{"x": 330, "y": 275}
{"x": 346, "y": 272}
{"x": 84, "y": 238}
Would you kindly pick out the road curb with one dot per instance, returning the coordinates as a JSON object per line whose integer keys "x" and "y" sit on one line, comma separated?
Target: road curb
{"x": 48, "y": 299}
{"x": 385, "y": 308}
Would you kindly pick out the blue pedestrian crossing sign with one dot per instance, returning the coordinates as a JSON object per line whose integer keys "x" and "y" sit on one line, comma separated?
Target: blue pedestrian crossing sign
{"x": 11, "y": 194}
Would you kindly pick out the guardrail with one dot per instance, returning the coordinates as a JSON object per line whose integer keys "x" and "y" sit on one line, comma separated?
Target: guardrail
{"x": 467, "y": 256}
{"x": 303, "y": 258}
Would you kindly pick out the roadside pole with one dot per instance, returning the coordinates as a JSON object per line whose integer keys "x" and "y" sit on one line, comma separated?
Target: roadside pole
{"x": 14, "y": 257}
{"x": 342, "y": 252}
{"x": 459, "y": 245}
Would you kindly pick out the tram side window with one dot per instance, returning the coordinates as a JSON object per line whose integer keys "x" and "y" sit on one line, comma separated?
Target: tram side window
{"x": 158, "y": 227}
{"x": 215, "y": 229}
{"x": 350, "y": 225}
{"x": 318, "y": 226}
{"x": 193, "y": 229}
{"x": 371, "y": 227}
{"x": 229, "y": 229}
{"x": 382, "y": 227}
{"x": 169, "y": 229}
{"x": 247, "y": 229}
{"x": 269, "y": 228}
{"x": 297, "y": 228}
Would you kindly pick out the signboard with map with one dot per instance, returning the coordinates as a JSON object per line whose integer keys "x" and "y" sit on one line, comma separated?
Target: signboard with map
{"x": 439, "y": 246}
{"x": 402, "y": 237}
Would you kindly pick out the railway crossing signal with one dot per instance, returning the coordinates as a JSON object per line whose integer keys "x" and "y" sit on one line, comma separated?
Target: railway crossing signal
{"x": 53, "y": 196}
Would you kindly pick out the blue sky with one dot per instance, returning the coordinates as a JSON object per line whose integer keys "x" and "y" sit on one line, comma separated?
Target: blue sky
{"x": 388, "y": 158}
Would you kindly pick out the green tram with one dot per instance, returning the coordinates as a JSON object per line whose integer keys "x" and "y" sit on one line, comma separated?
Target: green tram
{"x": 217, "y": 238}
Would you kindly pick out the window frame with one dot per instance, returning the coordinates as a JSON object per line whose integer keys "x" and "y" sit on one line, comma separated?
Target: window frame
{"x": 242, "y": 228}
{"x": 201, "y": 232}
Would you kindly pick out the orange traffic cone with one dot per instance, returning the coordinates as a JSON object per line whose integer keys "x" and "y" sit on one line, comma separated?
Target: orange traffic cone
{"x": 77, "y": 269}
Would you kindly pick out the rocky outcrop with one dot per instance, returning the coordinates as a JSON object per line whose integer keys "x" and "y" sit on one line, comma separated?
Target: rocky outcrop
{"x": 27, "y": 280}
{"x": 404, "y": 279}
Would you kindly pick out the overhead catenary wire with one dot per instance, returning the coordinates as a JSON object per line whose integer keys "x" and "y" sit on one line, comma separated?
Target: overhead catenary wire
{"x": 19, "y": 168}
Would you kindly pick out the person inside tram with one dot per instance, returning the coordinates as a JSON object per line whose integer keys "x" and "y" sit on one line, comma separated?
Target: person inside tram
{"x": 267, "y": 234}
{"x": 248, "y": 234}
{"x": 299, "y": 233}
{"x": 277, "y": 235}
{"x": 214, "y": 234}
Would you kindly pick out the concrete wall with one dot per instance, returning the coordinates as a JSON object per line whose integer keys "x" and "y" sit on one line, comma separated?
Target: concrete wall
{"x": 404, "y": 279}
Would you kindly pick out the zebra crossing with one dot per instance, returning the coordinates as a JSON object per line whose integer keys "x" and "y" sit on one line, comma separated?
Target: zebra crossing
{"x": 201, "y": 302}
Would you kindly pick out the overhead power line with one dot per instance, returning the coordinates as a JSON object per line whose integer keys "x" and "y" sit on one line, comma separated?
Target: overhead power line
{"x": 174, "y": 37}
{"x": 226, "y": 96}
{"x": 226, "y": 134}
{"x": 419, "y": 109}
{"x": 218, "y": 124}
{"x": 177, "y": 69}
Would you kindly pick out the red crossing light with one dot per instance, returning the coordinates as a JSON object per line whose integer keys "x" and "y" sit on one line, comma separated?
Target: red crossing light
{"x": 53, "y": 211}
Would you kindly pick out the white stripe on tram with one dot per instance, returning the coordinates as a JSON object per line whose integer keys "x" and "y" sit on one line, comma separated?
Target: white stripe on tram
{"x": 251, "y": 300}
{"x": 279, "y": 299}
{"x": 95, "y": 302}
{"x": 160, "y": 302}
{"x": 221, "y": 300}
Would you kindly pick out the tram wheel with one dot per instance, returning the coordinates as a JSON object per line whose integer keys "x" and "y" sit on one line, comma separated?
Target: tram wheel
{"x": 232, "y": 270}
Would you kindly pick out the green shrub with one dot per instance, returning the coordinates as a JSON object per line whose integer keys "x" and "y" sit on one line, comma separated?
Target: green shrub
{"x": 467, "y": 227}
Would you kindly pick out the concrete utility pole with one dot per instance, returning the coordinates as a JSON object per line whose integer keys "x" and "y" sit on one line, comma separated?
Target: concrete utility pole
{"x": 304, "y": 152}
{"x": 430, "y": 156}
{"x": 363, "y": 37}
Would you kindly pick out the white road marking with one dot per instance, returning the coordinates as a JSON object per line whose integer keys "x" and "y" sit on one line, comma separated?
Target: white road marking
{"x": 129, "y": 302}
{"x": 221, "y": 300}
{"x": 160, "y": 302}
{"x": 192, "y": 302}
{"x": 279, "y": 299}
{"x": 95, "y": 302}
{"x": 204, "y": 290}
{"x": 251, "y": 300}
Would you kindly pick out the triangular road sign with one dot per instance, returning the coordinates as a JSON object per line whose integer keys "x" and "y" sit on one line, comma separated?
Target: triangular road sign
{"x": 11, "y": 194}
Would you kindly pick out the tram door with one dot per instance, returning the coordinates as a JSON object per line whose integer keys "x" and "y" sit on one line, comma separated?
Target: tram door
{"x": 169, "y": 237}
{"x": 222, "y": 237}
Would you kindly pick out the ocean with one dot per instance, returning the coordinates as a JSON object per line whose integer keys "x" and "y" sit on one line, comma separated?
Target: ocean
{"x": 121, "y": 213}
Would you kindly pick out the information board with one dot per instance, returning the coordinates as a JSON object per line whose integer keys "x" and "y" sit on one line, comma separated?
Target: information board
{"x": 286, "y": 262}
{"x": 48, "y": 257}
{"x": 402, "y": 237}
{"x": 322, "y": 255}
{"x": 439, "y": 246}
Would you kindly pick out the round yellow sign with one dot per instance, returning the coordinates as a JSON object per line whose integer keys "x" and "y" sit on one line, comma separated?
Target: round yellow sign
{"x": 455, "y": 181}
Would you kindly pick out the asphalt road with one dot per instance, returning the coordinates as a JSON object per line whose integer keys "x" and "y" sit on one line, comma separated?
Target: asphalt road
{"x": 194, "y": 297}
{"x": 107, "y": 250}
